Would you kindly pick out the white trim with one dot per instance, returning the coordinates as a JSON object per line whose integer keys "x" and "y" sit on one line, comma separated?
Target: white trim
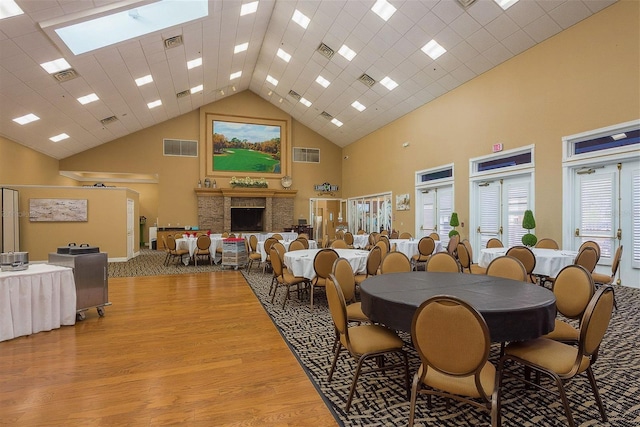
{"x": 617, "y": 153}
{"x": 506, "y": 171}
{"x": 419, "y": 173}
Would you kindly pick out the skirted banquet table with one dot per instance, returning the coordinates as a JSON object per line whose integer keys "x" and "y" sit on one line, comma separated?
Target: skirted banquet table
{"x": 41, "y": 298}
{"x": 300, "y": 263}
{"x": 260, "y": 247}
{"x": 513, "y": 310}
{"x": 549, "y": 262}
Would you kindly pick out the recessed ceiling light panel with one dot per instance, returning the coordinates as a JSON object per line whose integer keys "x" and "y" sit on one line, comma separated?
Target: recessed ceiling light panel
{"x": 26, "y": 119}
{"x": 433, "y": 49}
{"x": 300, "y": 19}
{"x": 144, "y": 80}
{"x": 235, "y": 75}
{"x": 336, "y": 122}
{"x": 88, "y": 98}
{"x": 346, "y": 52}
{"x": 506, "y": 4}
{"x": 249, "y": 8}
{"x": 241, "y": 47}
{"x": 388, "y": 83}
{"x": 305, "y": 102}
{"x": 272, "y": 80}
{"x": 323, "y": 82}
{"x": 358, "y": 106}
{"x": 194, "y": 63}
{"x": 154, "y": 104}
{"x": 383, "y": 9}
{"x": 9, "y": 8}
{"x": 196, "y": 89}
{"x": 59, "y": 137}
{"x": 283, "y": 55}
{"x": 56, "y": 65}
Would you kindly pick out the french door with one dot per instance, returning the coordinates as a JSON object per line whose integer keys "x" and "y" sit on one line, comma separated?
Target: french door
{"x": 435, "y": 208}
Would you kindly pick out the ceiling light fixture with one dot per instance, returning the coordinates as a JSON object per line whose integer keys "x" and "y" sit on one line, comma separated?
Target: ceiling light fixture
{"x": 194, "y": 63}
{"x": 323, "y": 82}
{"x": 358, "y": 106}
{"x": 248, "y": 8}
{"x": 619, "y": 136}
{"x": 144, "y": 80}
{"x": 56, "y": 65}
{"x": 59, "y": 137}
{"x": 9, "y": 8}
{"x": 346, "y": 52}
{"x": 272, "y": 80}
{"x": 336, "y": 122}
{"x": 283, "y": 55}
{"x": 241, "y": 47}
{"x": 383, "y": 9}
{"x": 154, "y": 104}
{"x": 305, "y": 102}
{"x": 300, "y": 19}
{"x": 88, "y": 98}
{"x": 506, "y": 4}
{"x": 235, "y": 75}
{"x": 196, "y": 89}
{"x": 433, "y": 49}
{"x": 388, "y": 83}
{"x": 26, "y": 119}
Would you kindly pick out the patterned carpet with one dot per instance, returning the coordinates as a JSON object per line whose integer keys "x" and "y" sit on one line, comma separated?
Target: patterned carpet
{"x": 380, "y": 399}
{"x": 151, "y": 263}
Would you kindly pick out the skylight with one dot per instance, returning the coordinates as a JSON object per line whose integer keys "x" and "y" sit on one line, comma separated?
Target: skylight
{"x": 383, "y": 9}
{"x": 358, "y": 106}
{"x": 60, "y": 137}
{"x": 346, "y": 52}
{"x": 283, "y": 55}
{"x": 506, "y": 4}
{"x": 194, "y": 63}
{"x": 305, "y": 102}
{"x": 135, "y": 22}
{"x": 272, "y": 80}
{"x": 56, "y": 65}
{"x": 241, "y": 48}
{"x": 300, "y": 19}
{"x": 248, "y": 8}
{"x": 144, "y": 80}
{"x": 388, "y": 83}
{"x": 26, "y": 119}
{"x": 323, "y": 82}
{"x": 9, "y": 8}
{"x": 88, "y": 98}
{"x": 433, "y": 49}
{"x": 235, "y": 75}
{"x": 154, "y": 104}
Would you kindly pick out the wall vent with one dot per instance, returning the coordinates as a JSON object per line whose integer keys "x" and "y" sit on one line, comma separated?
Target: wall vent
{"x": 295, "y": 95}
{"x": 173, "y": 42}
{"x": 306, "y": 155}
{"x": 325, "y": 51}
{"x": 183, "y": 94}
{"x": 109, "y": 120}
{"x": 180, "y": 147}
{"x": 367, "y": 80}
{"x": 326, "y": 115}
{"x": 65, "y": 75}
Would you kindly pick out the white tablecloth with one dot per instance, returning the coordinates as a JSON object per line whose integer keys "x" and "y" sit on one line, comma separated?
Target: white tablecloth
{"x": 41, "y": 298}
{"x": 360, "y": 241}
{"x": 549, "y": 262}
{"x": 191, "y": 243}
{"x": 409, "y": 247}
{"x": 300, "y": 263}
{"x": 286, "y": 235}
{"x": 260, "y": 247}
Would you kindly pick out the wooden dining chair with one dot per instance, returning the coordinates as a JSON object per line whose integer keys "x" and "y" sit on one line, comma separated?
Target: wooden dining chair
{"x": 442, "y": 262}
{"x": 465, "y": 257}
{"x": 395, "y": 262}
{"x": 426, "y": 246}
{"x": 373, "y": 264}
{"x": 507, "y": 267}
{"x": 322, "y": 265}
{"x": 547, "y": 243}
{"x": 494, "y": 243}
{"x": 434, "y": 236}
{"x": 526, "y": 257}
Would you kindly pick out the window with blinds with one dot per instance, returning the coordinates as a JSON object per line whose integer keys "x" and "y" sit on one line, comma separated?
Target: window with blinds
{"x": 597, "y": 198}
{"x": 517, "y": 203}
{"x": 635, "y": 218}
{"x": 489, "y": 212}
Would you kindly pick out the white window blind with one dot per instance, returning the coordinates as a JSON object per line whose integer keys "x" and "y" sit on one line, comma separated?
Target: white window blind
{"x": 635, "y": 218}
{"x": 444, "y": 211}
{"x": 428, "y": 210}
{"x": 489, "y": 212}
{"x": 597, "y": 194}
{"x": 517, "y": 203}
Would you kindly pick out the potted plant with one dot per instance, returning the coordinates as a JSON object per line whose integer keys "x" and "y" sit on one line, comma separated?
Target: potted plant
{"x": 454, "y": 222}
{"x": 529, "y": 223}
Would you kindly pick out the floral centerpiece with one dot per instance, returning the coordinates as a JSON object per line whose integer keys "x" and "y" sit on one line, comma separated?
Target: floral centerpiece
{"x": 248, "y": 182}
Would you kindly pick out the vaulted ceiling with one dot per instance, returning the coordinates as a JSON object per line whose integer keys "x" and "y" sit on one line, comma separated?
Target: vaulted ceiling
{"x": 477, "y": 38}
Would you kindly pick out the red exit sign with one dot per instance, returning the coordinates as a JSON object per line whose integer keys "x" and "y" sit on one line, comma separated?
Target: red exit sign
{"x": 497, "y": 147}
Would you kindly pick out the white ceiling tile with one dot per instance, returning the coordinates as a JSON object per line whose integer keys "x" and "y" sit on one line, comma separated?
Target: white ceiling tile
{"x": 518, "y": 42}
{"x": 502, "y": 27}
{"x": 481, "y": 40}
{"x": 447, "y": 11}
{"x": 525, "y": 12}
{"x": 465, "y": 25}
{"x": 569, "y": 13}
{"x": 542, "y": 28}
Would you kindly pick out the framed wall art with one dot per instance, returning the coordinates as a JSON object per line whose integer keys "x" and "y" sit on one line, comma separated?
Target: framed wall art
{"x": 58, "y": 210}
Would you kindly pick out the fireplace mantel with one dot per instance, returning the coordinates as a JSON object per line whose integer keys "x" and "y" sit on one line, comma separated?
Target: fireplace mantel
{"x": 244, "y": 192}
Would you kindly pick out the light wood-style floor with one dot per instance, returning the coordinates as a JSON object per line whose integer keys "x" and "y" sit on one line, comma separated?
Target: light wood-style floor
{"x": 190, "y": 350}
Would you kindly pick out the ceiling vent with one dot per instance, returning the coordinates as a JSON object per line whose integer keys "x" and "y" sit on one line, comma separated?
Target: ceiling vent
{"x": 325, "y": 51}
{"x": 466, "y": 3}
{"x": 326, "y": 115}
{"x": 172, "y": 42}
{"x": 295, "y": 95}
{"x": 366, "y": 79}
{"x": 65, "y": 75}
{"x": 109, "y": 120}
{"x": 183, "y": 94}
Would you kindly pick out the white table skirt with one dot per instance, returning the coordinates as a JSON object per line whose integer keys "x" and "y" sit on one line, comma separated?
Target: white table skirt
{"x": 549, "y": 262}
{"x": 300, "y": 263}
{"x": 260, "y": 247}
{"x": 409, "y": 247}
{"x": 41, "y": 298}
{"x": 360, "y": 241}
{"x": 191, "y": 243}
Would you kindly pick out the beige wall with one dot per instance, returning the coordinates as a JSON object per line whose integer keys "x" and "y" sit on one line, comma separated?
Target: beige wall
{"x": 584, "y": 78}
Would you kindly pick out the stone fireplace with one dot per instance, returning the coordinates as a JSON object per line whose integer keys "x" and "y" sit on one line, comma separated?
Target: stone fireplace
{"x": 263, "y": 208}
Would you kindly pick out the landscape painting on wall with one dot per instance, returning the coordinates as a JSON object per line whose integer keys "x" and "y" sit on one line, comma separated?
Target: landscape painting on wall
{"x": 245, "y": 147}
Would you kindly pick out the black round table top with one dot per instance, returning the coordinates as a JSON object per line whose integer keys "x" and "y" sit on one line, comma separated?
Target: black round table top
{"x": 513, "y": 310}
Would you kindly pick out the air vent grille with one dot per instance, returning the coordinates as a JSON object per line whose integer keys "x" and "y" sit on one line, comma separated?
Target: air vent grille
{"x": 326, "y": 115}
{"x": 466, "y": 3}
{"x": 65, "y": 75}
{"x": 180, "y": 147}
{"x": 325, "y": 51}
{"x": 183, "y": 94}
{"x": 172, "y": 42}
{"x": 295, "y": 95}
{"x": 109, "y": 120}
{"x": 367, "y": 80}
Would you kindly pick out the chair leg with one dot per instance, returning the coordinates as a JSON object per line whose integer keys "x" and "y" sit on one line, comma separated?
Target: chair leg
{"x": 354, "y": 382}
{"x": 565, "y": 401}
{"x": 594, "y": 387}
{"x": 335, "y": 361}
{"x": 412, "y": 401}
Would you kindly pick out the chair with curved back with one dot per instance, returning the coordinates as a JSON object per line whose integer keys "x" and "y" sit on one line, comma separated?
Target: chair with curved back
{"x": 266, "y": 246}
{"x": 526, "y": 257}
{"x": 174, "y": 252}
{"x": 494, "y": 243}
{"x": 370, "y": 345}
{"x": 405, "y": 235}
{"x": 339, "y": 244}
{"x": 167, "y": 251}
{"x": 361, "y": 231}
{"x": 590, "y": 244}
{"x": 304, "y": 241}
{"x": 343, "y": 271}
{"x": 280, "y": 248}
{"x": 395, "y": 262}
{"x": 385, "y": 239}
{"x": 303, "y": 236}
{"x": 348, "y": 238}
{"x": 394, "y": 235}
{"x": 373, "y": 264}
{"x": 253, "y": 254}
{"x": 442, "y": 262}
{"x": 602, "y": 279}
{"x": 372, "y": 240}
{"x": 202, "y": 249}
{"x": 465, "y": 258}
{"x": 507, "y": 267}
{"x": 277, "y": 236}
{"x": 322, "y": 264}
{"x": 453, "y": 342}
{"x": 282, "y": 276}
{"x": 426, "y": 246}
{"x": 296, "y": 245}
{"x": 588, "y": 258}
{"x": 547, "y": 243}
{"x": 562, "y": 362}
{"x": 452, "y": 246}
{"x": 434, "y": 236}
{"x": 573, "y": 289}
{"x": 384, "y": 248}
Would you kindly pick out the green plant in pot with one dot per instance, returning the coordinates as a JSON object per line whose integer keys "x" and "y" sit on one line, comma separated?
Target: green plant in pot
{"x": 454, "y": 222}
{"x": 529, "y": 223}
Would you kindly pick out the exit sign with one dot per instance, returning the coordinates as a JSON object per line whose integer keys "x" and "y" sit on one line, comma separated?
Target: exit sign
{"x": 497, "y": 147}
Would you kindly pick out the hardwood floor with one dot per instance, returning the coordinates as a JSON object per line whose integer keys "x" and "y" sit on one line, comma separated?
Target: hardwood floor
{"x": 190, "y": 349}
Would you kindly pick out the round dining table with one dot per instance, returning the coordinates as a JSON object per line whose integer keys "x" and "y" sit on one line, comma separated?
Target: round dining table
{"x": 300, "y": 263}
{"x": 513, "y": 310}
{"x": 549, "y": 262}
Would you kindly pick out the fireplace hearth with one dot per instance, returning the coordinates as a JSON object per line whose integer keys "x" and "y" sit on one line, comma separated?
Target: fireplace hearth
{"x": 247, "y": 219}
